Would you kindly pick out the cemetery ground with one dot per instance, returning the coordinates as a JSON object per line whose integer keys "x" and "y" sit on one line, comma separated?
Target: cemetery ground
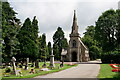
{"x": 38, "y": 72}
{"x": 104, "y": 72}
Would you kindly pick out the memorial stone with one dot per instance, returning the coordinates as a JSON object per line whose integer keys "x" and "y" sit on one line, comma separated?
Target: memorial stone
{"x": 13, "y": 62}
{"x": 52, "y": 60}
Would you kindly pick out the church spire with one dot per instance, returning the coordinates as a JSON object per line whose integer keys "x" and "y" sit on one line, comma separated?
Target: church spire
{"x": 74, "y": 26}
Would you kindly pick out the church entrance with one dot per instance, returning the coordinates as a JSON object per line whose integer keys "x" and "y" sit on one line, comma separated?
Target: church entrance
{"x": 74, "y": 57}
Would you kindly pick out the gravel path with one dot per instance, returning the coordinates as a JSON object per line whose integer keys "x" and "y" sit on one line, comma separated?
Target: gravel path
{"x": 83, "y": 70}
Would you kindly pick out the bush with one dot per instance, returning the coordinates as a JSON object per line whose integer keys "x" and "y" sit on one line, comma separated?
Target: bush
{"x": 110, "y": 57}
{"x": 7, "y": 70}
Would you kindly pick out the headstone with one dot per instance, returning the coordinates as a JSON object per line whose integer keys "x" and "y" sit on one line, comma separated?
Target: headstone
{"x": 37, "y": 64}
{"x": 14, "y": 67}
{"x": 52, "y": 60}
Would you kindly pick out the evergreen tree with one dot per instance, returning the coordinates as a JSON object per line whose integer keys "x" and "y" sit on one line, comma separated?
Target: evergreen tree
{"x": 43, "y": 47}
{"x": 34, "y": 29}
{"x": 49, "y": 50}
{"x": 39, "y": 41}
{"x": 28, "y": 39}
{"x": 10, "y": 28}
{"x": 56, "y": 52}
{"x": 60, "y": 42}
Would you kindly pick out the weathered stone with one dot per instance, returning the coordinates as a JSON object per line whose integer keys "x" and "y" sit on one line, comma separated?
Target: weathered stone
{"x": 52, "y": 60}
{"x": 14, "y": 67}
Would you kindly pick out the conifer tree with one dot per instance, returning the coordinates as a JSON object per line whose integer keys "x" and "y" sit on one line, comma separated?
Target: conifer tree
{"x": 10, "y": 28}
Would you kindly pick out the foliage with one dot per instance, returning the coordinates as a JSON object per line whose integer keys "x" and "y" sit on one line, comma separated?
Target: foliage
{"x": 10, "y": 28}
{"x": 111, "y": 57}
{"x": 60, "y": 42}
{"x": 28, "y": 39}
{"x": 91, "y": 43}
{"x": 107, "y": 30}
{"x": 39, "y": 41}
{"x": 49, "y": 49}
{"x": 56, "y": 51}
{"x": 107, "y": 33}
{"x": 43, "y": 48}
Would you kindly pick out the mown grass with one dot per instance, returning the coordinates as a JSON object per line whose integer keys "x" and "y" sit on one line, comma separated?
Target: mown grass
{"x": 106, "y": 73}
{"x": 26, "y": 73}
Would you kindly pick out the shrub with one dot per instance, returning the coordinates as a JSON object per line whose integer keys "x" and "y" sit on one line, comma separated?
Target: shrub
{"x": 111, "y": 57}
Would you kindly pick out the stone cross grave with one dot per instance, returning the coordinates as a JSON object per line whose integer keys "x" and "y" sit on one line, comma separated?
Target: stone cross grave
{"x": 52, "y": 60}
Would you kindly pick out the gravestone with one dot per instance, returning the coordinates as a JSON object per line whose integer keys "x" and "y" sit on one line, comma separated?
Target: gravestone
{"x": 13, "y": 63}
{"x": 26, "y": 66}
{"x": 37, "y": 64}
{"x": 52, "y": 60}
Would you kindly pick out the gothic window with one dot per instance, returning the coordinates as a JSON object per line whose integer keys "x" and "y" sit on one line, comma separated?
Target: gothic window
{"x": 74, "y": 43}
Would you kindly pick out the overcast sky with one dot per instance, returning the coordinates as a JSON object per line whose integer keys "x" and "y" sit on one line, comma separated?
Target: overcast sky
{"x": 54, "y": 13}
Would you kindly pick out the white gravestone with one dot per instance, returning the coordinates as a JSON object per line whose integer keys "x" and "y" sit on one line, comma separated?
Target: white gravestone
{"x": 13, "y": 62}
{"x": 52, "y": 60}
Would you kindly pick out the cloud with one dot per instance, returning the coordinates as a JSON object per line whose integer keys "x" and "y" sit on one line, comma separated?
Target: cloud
{"x": 54, "y": 13}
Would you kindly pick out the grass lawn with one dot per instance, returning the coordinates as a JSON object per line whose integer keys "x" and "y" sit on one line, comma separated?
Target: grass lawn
{"x": 26, "y": 73}
{"x": 105, "y": 72}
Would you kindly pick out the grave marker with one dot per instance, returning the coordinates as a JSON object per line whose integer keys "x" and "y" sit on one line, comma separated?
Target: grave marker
{"x": 14, "y": 67}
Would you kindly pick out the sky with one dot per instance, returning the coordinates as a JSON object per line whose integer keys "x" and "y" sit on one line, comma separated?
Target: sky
{"x": 52, "y": 14}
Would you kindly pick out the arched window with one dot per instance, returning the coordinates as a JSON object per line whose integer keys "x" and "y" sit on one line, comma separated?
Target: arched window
{"x": 74, "y": 43}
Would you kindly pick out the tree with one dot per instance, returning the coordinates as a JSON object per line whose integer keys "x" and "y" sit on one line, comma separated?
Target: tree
{"x": 43, "y": 47}
{"x": 107, "y": 33}
{"x": 91, "y": 43}
{"x": 34, "y": 33}
{"x": 10, "y": 28}
{"x": 56, "y": 52}
{"x": 27, "y": 38}
{"x": 105, "y": 30}
{"x": 118, "y": 29}
{"x": 34, "y": 29}
{"x": 39, "y": 41}
{"x": 49, "y": 49}
{"x": 60, "y": 42}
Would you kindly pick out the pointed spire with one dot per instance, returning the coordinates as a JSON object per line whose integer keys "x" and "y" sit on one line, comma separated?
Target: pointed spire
{"x": 74, "y": 19}
{"x": 74, "y": 27}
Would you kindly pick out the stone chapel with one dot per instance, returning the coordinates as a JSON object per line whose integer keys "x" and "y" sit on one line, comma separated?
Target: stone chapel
{"x": 77, "y": 51}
